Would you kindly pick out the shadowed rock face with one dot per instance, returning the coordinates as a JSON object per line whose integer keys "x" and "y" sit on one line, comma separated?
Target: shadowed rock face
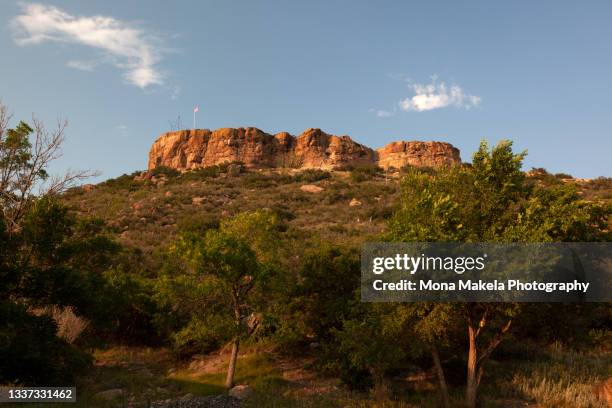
{"x": 187, "y": 149}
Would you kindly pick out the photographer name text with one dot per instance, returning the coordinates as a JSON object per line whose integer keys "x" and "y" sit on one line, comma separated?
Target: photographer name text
{"x": 479, "y": 285}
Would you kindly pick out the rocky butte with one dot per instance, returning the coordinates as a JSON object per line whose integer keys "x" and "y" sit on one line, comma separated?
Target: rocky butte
{"x": 188, "y": 149}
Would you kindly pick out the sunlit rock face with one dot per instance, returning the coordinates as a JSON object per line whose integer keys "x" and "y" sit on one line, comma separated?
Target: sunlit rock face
{"x": 188, "y": 149}
{"x": 418, "y": 154}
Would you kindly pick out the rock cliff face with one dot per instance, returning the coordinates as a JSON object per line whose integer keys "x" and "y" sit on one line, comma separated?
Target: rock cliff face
{"x": 418, "y": 154}
{"x": 187, "y": 149}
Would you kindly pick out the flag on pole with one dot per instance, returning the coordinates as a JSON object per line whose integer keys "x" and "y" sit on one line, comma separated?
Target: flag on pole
{"x": 195, "y": 109}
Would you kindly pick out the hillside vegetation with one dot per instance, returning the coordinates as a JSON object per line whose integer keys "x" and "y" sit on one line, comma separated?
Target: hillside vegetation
{"x": 171, "y": 288}
{"x": 147, "y": 211}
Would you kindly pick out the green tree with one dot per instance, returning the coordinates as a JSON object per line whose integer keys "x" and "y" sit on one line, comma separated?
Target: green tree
{"x": 227, "y": 266}
{"x": 48, "y": 257}
{"x": 374, "y": 338}
{"x": 52, "y": 259}
{"x": 489, "y": 201}
{"x": 327, "y": 285}
{"x": 26, "y": 151}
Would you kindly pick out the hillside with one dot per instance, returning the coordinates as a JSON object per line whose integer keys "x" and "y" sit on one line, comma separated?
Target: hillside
{"x": 146, "y": 210}
{"x": 348, "y": 205}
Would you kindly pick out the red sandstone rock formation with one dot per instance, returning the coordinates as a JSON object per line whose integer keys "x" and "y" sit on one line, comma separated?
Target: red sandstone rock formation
{"x": 418, "y": 154}
{"x": 188, "y": 149}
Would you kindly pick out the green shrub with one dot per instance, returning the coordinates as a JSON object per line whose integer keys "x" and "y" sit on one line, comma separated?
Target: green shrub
{"x": 312, "y": 175}
{"x": 282, "y": 212}
{"x": 197, "y": 223}
{"x": 294, "y": 197}
{"x": 258, "y": 180}
{"x": 363, "y": 173}
{"x": 334, "y": 196}
{"x": 380, "y": 212}
{"x": 123, "y": 182}
{"x": 132, "y": 306}
{"x": 203, "y": 173}
{"x": 601, "y": 183}
{"x": 32, "y": 354}
{"x": 329, "y": 278}
{"x": 201, "y": 335}
{"x": 164, "y": 171}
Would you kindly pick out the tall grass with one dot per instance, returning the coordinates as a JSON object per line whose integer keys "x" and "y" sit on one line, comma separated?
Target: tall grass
{"x": 565, "y": 379}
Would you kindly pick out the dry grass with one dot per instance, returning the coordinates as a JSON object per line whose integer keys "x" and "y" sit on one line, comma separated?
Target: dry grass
{"x": 560, "y": 378}
{"x": 564, "y": 379}
{"x": 69, "y": 325}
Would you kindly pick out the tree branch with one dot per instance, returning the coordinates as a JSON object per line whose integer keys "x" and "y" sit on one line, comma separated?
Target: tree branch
{"x": 24, "y": 163}
{"x": 494, "y": 343}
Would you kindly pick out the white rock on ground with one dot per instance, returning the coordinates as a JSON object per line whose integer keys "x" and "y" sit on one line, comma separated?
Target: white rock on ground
{"x": 110, "y": 394}
{"x": 311, "y": 188}
{"x": 241, "y": 392}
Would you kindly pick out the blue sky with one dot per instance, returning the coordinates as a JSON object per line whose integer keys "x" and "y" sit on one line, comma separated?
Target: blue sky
{"x": 538, "y": 73}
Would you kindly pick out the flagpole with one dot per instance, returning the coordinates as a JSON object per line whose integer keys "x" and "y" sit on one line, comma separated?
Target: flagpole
{"x": 196, "y": 109}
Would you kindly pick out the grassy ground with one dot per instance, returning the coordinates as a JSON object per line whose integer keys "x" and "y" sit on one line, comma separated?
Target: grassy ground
{"x": 556, "y": 378}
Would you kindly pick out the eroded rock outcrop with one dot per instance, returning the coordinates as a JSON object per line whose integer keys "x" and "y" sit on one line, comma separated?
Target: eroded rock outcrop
{"x": 418, "y": 154}
{"x": 187, "y": 149}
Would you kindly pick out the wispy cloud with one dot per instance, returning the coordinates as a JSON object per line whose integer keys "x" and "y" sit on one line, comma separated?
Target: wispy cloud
{"x": 436, "y": 95}
{"x": 128, "y": 47}
{"x": 122, "y": 129}
{"x": 383, "y": 113}
{"x": 82, "y": 65}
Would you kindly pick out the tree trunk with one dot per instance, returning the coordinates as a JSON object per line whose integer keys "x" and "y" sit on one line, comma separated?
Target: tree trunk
{"x": 440, "y": 374}
{"x": 472, "y": 367}
{"x": 229, "y": 381}
{"x": 380, "y": 390}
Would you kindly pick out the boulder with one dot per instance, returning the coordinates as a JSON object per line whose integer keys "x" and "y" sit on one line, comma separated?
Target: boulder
{"x": 241, "y": 392}
{"x": 354, "y": 203}
{"x": 197, "y": 200}
{"x": 311, "y": 188}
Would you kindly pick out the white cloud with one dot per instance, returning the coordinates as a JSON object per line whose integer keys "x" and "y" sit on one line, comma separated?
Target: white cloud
{"x": 82, "y": 65}
{"x": 122, "y": 129}
{"x": 126, "y": 46}
{"x": 437, "y": 95}
{"x": 381, "y": 113}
